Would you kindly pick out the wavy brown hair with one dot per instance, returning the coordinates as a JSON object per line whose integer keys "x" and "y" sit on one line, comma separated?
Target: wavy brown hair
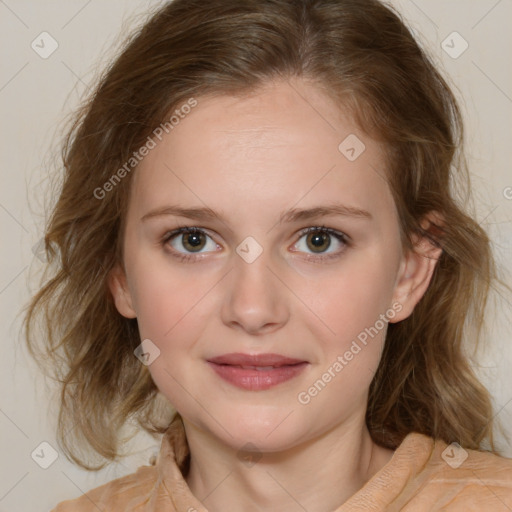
{"x": 362, "y": 55}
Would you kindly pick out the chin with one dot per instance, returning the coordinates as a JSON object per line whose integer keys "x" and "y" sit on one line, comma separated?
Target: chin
{"x": 268, "y": 429}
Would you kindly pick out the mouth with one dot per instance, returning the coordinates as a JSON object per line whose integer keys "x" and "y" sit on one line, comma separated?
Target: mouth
{"x": 256, "y": 372}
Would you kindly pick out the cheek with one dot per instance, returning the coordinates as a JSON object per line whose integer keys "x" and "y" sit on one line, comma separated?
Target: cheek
{"x": 354, "y": 304}
{"x": 350, "y": 299}
{"x": 167, "y": 300}
{"x": 172, "y": 310}
{"x": 171, "y": 314}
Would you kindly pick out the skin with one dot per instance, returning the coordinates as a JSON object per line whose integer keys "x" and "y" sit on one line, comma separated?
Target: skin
{"x": 251, "y": 158}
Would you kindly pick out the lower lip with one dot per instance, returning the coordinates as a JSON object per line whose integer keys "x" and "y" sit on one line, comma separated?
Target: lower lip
{"x": 257, "y": 380}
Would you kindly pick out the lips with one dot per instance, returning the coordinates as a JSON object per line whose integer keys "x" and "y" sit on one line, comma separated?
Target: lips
{"x": 256, "y": 372}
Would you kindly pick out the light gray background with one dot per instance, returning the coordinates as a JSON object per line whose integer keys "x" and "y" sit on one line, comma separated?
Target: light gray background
{"x": 37, "y": 94}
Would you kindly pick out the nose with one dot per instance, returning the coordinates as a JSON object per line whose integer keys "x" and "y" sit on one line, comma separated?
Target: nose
{"x": 256, "y": 298}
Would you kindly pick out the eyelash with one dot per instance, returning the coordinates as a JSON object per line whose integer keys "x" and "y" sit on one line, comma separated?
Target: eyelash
{"x": 341, "y": 237}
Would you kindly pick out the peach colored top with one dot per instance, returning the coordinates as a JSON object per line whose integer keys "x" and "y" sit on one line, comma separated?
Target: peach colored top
{"x": 421, "y": 476}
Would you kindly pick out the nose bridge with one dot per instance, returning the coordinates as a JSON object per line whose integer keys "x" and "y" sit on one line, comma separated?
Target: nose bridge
{"x": 255, "y": 298}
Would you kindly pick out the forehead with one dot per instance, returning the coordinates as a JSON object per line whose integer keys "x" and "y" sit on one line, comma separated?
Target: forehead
{"x": 272, "y": 148}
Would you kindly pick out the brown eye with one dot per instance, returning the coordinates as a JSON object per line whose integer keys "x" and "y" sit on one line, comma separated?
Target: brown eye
{"x": 318, "y": 241}
{"x": 189, "y": 240}
{"x": 193, "y": 242}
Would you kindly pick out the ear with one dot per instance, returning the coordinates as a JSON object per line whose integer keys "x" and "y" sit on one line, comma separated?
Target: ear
{"x": 120, "y": 292}
{"x": 417, "y": 267}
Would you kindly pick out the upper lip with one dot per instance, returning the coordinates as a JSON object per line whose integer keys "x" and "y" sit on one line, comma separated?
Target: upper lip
{"x": 237, "y": 359}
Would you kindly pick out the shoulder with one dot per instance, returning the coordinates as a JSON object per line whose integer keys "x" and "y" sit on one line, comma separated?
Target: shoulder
{"x": 128, "y": 493}
{"x": 466, "y": 480}
{"x": 476, "y": 474}
{"x": 427, "y": 475}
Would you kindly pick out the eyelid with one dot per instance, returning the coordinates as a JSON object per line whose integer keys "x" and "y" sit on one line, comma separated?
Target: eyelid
{"x": 330, "y": 231}
{"x": 339, "y": 235}
{"x": 322, "y": 257}
{"x": 185, "y": 229}
{"x": 169, "y": 235}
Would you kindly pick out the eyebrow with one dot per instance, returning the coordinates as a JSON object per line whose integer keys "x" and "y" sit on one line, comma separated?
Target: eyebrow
{"x": 292, "y": 215}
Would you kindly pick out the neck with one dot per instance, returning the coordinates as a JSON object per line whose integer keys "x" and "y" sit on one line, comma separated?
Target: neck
{"x": 317, "y": 475}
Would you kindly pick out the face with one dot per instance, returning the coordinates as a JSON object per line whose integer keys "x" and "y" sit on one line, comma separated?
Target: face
{"x": 270, "y": 314}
